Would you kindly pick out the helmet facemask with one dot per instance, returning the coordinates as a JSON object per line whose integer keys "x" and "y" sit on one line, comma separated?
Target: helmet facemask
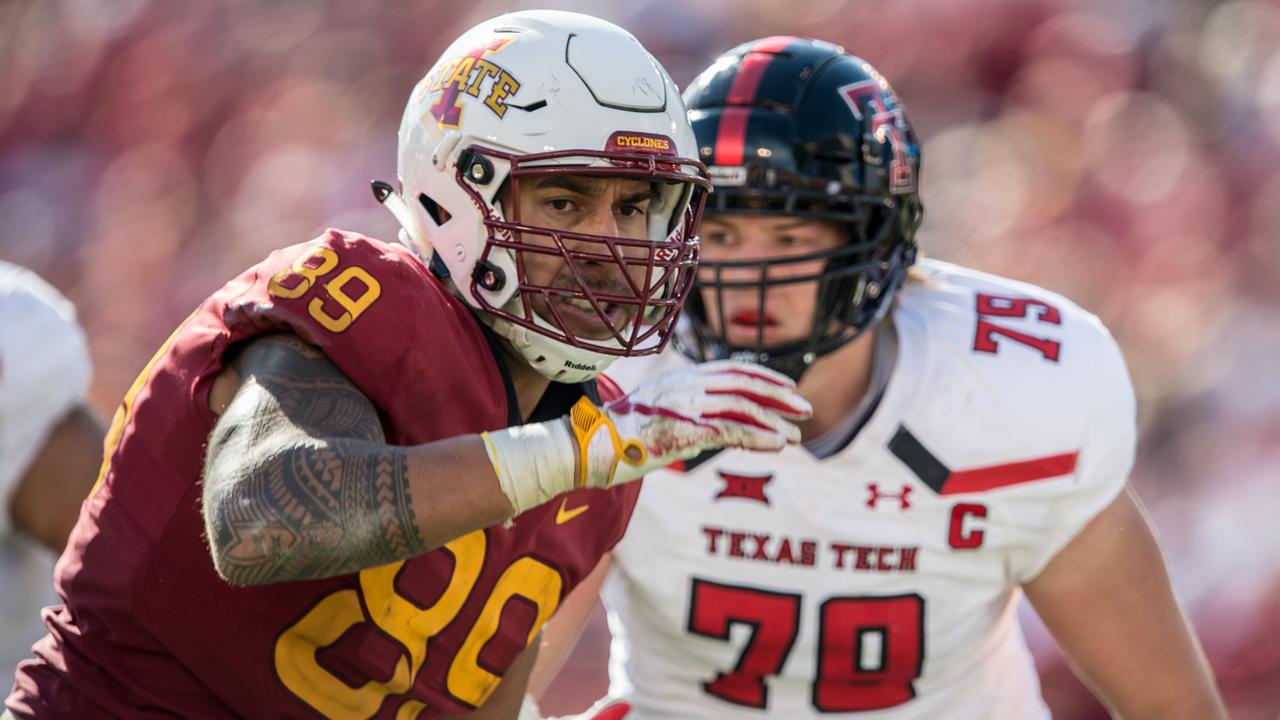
{"x": 853, "y": 286}
{"x": 631, "y": 287}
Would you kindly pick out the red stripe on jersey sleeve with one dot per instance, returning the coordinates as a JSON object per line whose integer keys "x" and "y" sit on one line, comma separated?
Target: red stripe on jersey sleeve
{"x": 997, "y": 476}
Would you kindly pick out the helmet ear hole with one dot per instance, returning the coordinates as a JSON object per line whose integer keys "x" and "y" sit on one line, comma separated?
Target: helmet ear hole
{"x": 438, "y": 215}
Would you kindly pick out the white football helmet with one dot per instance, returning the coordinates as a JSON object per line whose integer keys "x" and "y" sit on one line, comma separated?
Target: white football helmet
{"x": 533, "y": 93}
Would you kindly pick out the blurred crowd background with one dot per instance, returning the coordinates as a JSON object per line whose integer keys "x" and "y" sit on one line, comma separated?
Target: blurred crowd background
{"x": 1123, "y": 152}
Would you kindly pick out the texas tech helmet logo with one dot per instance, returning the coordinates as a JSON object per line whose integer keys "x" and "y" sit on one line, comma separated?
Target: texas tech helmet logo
{"x": 874, "y": 104}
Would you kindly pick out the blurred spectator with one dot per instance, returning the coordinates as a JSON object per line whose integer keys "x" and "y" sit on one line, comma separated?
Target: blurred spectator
{"x": 1124, "y": 154}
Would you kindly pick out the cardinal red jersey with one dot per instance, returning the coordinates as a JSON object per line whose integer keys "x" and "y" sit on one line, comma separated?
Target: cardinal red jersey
{"x": 149, "y": 629}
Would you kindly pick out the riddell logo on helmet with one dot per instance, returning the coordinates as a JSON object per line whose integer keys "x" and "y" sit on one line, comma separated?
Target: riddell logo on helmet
{"x": 641, "y": 142}
{"x": 579, "y": 366}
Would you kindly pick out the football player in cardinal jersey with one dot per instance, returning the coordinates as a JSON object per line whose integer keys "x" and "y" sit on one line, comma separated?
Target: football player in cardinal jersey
{"x": 970, "y": 443}
{"x": 358, "y": 478}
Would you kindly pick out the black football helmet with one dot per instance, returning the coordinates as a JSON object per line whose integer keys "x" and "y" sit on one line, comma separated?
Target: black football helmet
{"x": 800, "y": 128}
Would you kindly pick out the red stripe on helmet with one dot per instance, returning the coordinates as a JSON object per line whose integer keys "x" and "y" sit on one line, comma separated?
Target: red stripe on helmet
{"x": 730, "y": 136}
{"x": 732, "y": 132}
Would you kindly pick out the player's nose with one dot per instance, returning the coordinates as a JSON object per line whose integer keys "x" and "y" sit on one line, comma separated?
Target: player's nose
{"x": 601, "y": 221}
{"x": 740, "y": 278}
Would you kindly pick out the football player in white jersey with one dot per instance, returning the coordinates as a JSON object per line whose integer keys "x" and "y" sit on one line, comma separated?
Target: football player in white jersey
{"x": 970, "y": 443}
{"x": 50, "y": 448}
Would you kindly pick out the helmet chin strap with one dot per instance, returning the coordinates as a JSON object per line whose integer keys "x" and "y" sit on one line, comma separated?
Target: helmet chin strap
{"x": 551, "y": 358}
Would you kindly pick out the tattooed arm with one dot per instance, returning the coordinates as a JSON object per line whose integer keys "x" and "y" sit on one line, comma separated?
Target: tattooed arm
{"x": 300, "y": 484}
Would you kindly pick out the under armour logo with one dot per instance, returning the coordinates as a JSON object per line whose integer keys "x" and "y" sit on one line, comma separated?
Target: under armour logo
{"x": 748, "y": 487}
{"x": 875, "y": 495}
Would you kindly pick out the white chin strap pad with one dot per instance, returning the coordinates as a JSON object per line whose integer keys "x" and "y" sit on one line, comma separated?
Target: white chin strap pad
{"x": 552, "y": 359}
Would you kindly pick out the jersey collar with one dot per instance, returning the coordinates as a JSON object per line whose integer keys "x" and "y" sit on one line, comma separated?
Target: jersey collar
{"x": 555, "y": 402}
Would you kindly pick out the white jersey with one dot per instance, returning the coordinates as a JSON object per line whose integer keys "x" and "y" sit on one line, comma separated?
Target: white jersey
{"x": 881, "y": 580}
{"x": 44, "y": 373}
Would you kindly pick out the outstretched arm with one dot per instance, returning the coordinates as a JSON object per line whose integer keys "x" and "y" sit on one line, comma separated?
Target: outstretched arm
{"x": 1107, "y": 600}
{"x": 300, "y": 483}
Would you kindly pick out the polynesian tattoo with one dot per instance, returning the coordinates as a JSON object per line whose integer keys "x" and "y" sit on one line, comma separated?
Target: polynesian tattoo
{"x": 299, "y": 483}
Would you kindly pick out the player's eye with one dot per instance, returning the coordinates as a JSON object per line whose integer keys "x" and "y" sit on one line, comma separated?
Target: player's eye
{"x": 633, "y": 211}
{"x": 790, "y": 241}
{"x": 562, "y": 205}
{"x": 716, "y": 237}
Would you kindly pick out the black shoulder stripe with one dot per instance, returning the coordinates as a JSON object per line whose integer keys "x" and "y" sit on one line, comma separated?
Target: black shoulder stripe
{"x": 918, "y": 459}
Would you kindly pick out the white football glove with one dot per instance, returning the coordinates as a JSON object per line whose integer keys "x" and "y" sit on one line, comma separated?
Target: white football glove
{"x": 676, "y": 415}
